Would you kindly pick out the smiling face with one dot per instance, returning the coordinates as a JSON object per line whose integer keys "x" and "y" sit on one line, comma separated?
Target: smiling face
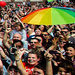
{"x": 70, "y": 51}
{"x": 34, "y": 43}
{"x": 37, "y": 32}
{"x": 32, "y": 59}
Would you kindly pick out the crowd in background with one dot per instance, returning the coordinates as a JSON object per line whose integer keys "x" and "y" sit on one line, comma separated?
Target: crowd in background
{"x": 27, "y": 49}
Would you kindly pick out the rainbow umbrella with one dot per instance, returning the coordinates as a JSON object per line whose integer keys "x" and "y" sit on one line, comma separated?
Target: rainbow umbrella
{"x": 66, "y": 8}
{"x": 50, "y": 16}
{"x": 49, "y": 0}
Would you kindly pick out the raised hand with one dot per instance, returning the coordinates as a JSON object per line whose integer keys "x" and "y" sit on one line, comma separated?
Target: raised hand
{"x": 8, "y": 30}
{"x": 48, "y": 56}
{"x": 19, "y": 53}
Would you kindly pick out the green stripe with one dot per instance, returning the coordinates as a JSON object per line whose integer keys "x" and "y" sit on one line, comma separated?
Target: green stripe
{"x": 62, "y": 16}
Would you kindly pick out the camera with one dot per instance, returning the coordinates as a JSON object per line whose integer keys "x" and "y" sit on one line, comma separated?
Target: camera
{"x": 53, "y": 52}
{"x": 14, "y": 49}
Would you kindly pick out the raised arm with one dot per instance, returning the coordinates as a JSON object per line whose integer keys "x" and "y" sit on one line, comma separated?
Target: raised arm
{"x": 5, "y": 38}
{"x": 49, "y": 70}
{"x": 19, "y": 20}
{"x": 2, "y": 53}
{"x": 54, "y": 44}
{"x": 18, "y": 57}
{"x": 48, "y": 56}
{"x": 7, "y": 30}
{"x": 50, "y": 29}
{"x": 21, "y": 68}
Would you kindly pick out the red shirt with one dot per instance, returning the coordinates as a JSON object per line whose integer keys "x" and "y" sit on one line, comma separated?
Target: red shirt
{"x": 28, "y": 68}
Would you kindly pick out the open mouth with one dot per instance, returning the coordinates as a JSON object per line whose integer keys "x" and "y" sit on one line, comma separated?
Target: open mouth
{"x": 31, "y": 61}
{"x": 69, "y": 53}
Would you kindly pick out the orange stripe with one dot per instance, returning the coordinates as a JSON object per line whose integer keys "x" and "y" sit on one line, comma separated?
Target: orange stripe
{"x": 32, "y": 13}
{"x": 22, "y": 64}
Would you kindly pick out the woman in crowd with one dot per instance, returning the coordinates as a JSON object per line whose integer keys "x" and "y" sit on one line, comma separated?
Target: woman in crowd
{"x": 70, "y": 52}
{"x": 55, "y": 43}
{"x": 28, "y": 67}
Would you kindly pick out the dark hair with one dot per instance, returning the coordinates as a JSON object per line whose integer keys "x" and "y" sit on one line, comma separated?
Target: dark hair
{"x": 15, "y": 68}
{"x": 69, "y": 45}
{"x": 40, "y": 67}
{"x": 33, "y": 39}
{"x": 37, "y": 29}
{"x": 67, "y": 65}
{"x": 34, "y": 51}
{"x": 16, "y": 41}
{"x": 39, "y": 36}
{"x": 65, "y": 28}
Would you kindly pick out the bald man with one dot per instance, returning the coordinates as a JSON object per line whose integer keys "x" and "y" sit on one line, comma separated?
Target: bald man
{"x": 16, "y": 36}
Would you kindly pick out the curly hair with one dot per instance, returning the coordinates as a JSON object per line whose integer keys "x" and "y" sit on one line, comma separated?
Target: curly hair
{"x": 69, "y": 45}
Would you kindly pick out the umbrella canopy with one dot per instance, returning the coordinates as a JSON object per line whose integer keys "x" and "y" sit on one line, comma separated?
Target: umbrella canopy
{"x": 66, "y": 8}
{"x": 50, "y": 16}
{"x": 49, "y": 0}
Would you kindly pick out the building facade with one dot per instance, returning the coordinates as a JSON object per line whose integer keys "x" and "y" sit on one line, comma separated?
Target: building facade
{"x": 23, "y": 0}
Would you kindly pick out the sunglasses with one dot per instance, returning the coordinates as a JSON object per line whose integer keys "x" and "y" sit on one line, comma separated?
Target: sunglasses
{"x": 72, "y": 32}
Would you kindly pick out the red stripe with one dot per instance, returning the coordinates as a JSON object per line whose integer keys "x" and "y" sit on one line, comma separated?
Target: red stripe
{"x": 32, "y": 13}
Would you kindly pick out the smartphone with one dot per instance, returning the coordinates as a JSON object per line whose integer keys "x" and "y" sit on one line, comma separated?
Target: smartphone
{"x": 53, "y": 52}
{"x": 14, "y": 49}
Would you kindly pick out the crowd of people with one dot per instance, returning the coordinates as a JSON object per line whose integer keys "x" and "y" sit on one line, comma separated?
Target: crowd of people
{"x": 27, "y": 49}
